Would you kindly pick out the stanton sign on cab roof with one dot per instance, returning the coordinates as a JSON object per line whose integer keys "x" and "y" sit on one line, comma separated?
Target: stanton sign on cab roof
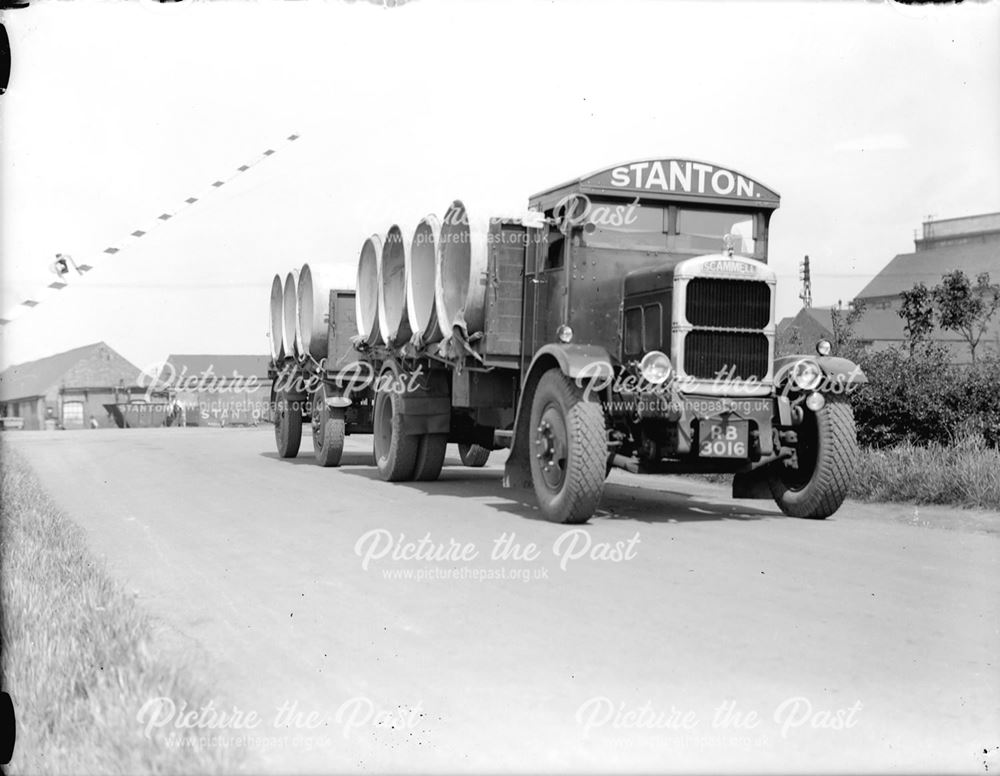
{"x": 683, "y": 180}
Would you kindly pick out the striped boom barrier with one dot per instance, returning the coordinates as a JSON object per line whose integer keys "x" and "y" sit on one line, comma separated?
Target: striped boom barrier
{"x": 68, "y": 267}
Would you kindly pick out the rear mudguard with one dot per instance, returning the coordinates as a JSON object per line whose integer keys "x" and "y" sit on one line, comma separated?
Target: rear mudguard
{"x": 588, "y": 364}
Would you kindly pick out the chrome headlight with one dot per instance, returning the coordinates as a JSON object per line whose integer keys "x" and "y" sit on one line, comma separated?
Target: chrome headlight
{"x": 655, "y": 367}
{"x": 807, "y": 375}
{"x": 823, "y": 347}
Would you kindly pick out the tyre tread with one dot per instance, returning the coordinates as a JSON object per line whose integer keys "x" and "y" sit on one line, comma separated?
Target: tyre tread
{"x": 585, "y": 424}
{"x": 837, "y": 438}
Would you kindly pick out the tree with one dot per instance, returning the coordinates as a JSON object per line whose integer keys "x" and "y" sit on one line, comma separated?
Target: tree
{"x": 790, "y": 342}
{"x": 966, "y": 308}
{"x": 845, "y": 343}
{"x": 918, "y": 312}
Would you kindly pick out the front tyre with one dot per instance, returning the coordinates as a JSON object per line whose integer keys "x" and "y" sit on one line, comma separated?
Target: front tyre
{"x": 569, "y": 449}
{"x": 328, "y": 429}
{"x": 287, "y": 425}
{"x": 826, "y": 451}
{"x": 473, "y": 455}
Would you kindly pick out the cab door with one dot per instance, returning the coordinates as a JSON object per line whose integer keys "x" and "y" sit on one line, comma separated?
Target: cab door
{"x": 543, "y": 288}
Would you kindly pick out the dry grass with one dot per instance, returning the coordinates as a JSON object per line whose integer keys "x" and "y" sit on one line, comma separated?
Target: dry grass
{"x": 965, "y": 474}
{"x": 78, "y": 656}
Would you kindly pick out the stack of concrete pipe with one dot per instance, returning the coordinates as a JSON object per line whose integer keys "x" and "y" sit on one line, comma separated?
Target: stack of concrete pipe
{"x": 417, "y": 285}
{"x": 299, "y": 312}
{"x": 414, "y": 286}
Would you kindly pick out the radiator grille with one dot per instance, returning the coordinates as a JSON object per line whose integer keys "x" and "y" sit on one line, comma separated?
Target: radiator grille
{"x": 733, "y": 304}
{"x": 706, "y": 353}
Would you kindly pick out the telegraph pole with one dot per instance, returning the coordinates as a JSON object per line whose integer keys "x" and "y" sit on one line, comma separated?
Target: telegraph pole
{"x": 806, "y": 294}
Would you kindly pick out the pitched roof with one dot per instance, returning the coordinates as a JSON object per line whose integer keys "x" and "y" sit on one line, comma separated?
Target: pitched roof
{"x": 91, "y": 366}
{"x": 186, "y": 366}
{"x": 876, "y": 324}
{"x": 930, "y": 265}
{"x": 814, "y": 317}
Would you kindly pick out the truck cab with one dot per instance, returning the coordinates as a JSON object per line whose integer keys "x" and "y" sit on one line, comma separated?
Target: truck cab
{"x": 603, "y": 264}
{"x": 647, "y": 286}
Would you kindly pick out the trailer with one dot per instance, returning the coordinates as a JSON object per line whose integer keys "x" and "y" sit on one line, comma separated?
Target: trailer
{"x": 626, "y": 319}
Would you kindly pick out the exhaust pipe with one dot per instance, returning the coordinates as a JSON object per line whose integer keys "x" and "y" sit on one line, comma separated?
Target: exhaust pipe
{"x": 421, "y": 281}
{"x": 274, "y": 329}
{"x": 393, "y": 321}
{"x": 459, "y": 294}
{"x": 289, "y": 317}
{"x": 366, "y": 298}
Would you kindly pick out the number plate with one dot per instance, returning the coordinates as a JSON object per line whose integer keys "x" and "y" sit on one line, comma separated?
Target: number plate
{"x": 723, "y": 439}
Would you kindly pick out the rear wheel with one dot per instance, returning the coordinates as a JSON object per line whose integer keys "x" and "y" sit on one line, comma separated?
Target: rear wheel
{"x": 473, "y": 455}
{"x": 569, "y": 449}
{"x": 817, "y": 482}
{"x": 395, "y": 452}
{"x": 287, "y": 425}
{"x": 430, "y": 457}
{"x": 327, "y": 430}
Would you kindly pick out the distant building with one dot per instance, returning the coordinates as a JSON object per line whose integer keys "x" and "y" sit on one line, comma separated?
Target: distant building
{"x": 970, "y": 244}
{"x": 68, "y": 390}
{"x": 220, "y": 390}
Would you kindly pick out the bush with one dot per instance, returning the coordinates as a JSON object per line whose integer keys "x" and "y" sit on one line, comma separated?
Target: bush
{"x": 923, "y": 398}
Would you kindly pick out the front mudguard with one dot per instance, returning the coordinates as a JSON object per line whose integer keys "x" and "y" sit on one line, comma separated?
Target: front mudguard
{"x": 840, "y": 375}
{"x": 585, "y": 363}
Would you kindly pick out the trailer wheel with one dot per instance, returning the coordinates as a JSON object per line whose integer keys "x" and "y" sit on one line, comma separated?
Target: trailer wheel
{"x": 473, "y": 455}
{"x": 569, "y": 449}
{"x": 430, "y": 457}
{"x": 327, "y": 430}
{"x": 287, "y": 425}
{"x": 395, "y": 452}
{"x": 826, "y": 451}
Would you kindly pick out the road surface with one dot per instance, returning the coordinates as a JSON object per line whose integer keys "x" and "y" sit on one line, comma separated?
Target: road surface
{"x": 444, "y": 627}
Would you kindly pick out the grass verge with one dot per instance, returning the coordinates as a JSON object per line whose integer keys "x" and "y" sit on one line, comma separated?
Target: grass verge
{"x": 79, "y": 657}
{"x": 965, "y": 474}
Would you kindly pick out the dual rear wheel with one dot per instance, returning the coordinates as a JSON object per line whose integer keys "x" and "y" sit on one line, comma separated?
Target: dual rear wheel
{"x": 399, "y": 456}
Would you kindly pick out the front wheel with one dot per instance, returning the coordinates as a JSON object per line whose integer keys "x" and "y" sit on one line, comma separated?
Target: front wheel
{"x": 818, "y": 481}
{"x": 327, "y": 430}
{"x": 569, "y": 449}
{"x": 287, "y": 425}
{"x": 473, "y": 455}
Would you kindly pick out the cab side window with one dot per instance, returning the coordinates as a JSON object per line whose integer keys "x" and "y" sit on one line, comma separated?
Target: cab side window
{"x": 555, "y": 243}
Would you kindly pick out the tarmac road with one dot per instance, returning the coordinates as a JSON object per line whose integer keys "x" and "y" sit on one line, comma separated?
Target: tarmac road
{"x": 680, "y": 630}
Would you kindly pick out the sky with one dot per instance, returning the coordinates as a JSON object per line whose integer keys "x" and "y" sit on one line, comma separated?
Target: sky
{"x": 865, "y": 117}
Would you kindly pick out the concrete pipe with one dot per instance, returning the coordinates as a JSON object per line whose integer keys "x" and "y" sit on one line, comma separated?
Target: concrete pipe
{"x": 393, "y": 321}
{"x": 289, "y": 317}
{"x": 421, "y": 280}
{"x": 315, "y": 284}
{"x": 459, "y": 293}
{"x": 366, "y": 298}
{"x": 275, "y": 321}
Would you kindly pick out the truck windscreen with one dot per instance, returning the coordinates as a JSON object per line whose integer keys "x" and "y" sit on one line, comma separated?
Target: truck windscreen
{"x": 627, "y": 227}
{"x": 648, "y": 228}
{"x": 703, "y": 231}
